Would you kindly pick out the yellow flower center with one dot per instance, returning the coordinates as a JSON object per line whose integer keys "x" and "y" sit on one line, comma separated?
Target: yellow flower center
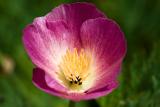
{"x": 75, "y": 68}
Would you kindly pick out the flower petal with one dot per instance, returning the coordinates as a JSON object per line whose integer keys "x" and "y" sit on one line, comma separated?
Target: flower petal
{"x": 39, "y": 80}
{"x": 105, "y": 40}
{"x": 74, "y": 14}
{"x": 46, "y": 42}
{"x": 101, "y": 91}
{"x": 54, "y": 84}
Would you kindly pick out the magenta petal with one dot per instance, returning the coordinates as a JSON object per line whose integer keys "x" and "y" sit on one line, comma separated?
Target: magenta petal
{"x": 107, "y": 77}
{"x": 52, "y": 83}
{"x": 40, "y": 82}
{"x": 46, "y": 41}
{"x": 63, "y": 34}
{"x": 101, "y": 91}
{"x": 105, "y": 39}
{"x": 74, "y": 14}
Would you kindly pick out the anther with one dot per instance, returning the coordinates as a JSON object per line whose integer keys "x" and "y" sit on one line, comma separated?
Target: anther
{"x": 75, "y": 82}
{"x": 71, "y": 82}
{"x": 79, "y": 79}
{"x": 80, "y": 83}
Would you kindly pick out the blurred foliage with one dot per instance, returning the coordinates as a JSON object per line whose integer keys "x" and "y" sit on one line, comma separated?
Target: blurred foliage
{"x": 139, "y": 80}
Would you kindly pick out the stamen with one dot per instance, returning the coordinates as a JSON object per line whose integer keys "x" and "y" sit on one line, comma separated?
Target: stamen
{"x": 80, "y": 83}
{"x": 75, "y": 66}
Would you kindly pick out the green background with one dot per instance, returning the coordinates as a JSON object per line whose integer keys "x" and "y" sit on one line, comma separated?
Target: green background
{"x": 140, "y": 77}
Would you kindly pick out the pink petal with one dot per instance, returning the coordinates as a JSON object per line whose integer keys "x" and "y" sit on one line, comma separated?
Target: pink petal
{"x": 52, "y": 83}
{"x": 74, "y": 14}
{"x": 45, "y": 42}
{"x": 103, "y": 91}
{"x": 40, "y": 82}
{"x": 105, "y": 39}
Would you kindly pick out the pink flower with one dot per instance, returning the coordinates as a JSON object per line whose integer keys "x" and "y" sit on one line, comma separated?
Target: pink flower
{"x": 77, "y": 52}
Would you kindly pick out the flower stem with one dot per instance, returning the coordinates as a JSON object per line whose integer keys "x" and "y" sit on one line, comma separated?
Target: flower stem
{"x": 72, "y": 104}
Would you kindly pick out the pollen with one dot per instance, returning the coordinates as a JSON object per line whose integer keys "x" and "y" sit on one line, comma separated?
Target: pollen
{"x": 75, "y": 66}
